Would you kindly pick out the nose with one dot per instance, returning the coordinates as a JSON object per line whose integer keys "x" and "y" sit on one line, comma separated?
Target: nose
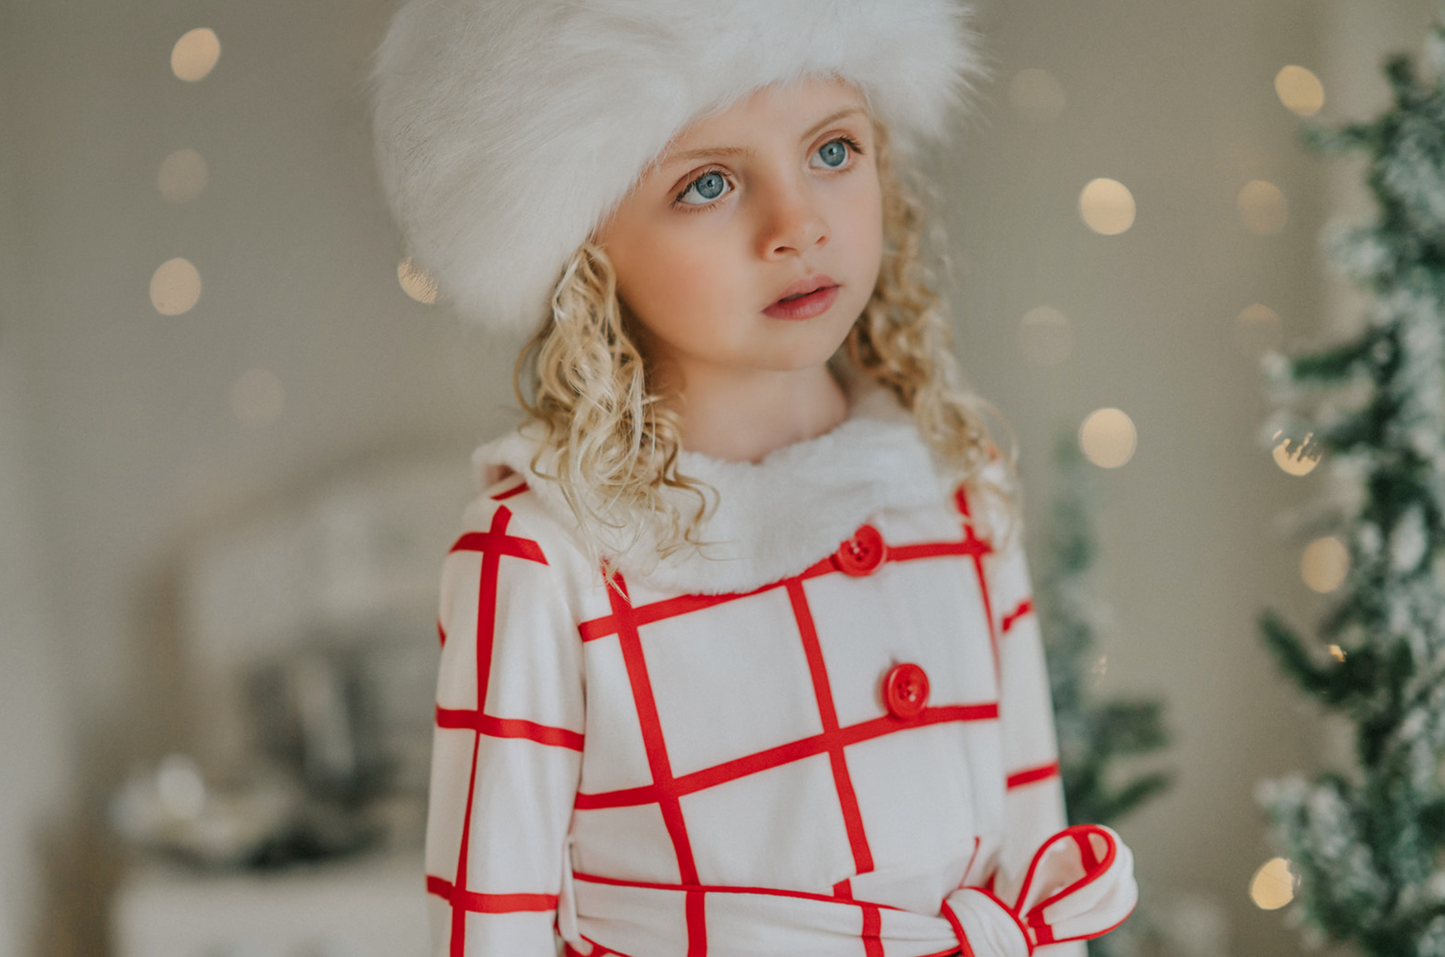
{"x": 792, "y": 222}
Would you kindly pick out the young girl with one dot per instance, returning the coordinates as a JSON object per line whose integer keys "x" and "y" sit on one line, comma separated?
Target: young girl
{"x": 738, "y": 652}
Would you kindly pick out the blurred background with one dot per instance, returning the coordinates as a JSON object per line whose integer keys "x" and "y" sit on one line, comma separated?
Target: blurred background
{"x": 234, "y": 437}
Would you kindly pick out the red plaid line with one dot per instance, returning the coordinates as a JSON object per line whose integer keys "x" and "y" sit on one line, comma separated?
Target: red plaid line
{"x": 1030, "y": 775}
{"x": 489, "y": 903}
{"x": 977, "y": 549}
{"x": 1009, "y": 620}
{"x": 657, "y": 760}
{"x": 493, "y": 544}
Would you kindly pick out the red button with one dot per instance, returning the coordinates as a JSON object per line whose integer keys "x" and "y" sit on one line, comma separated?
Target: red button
{"x": 905, "y": 691}
{"x": 861, "y": 554}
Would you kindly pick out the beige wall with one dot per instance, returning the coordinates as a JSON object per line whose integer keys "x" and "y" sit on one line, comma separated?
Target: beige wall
{"x": 118, "y": 445}
{"x": 34, "y": 744}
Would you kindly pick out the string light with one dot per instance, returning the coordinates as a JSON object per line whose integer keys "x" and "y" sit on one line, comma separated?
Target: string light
{"x": 1257, "y": 330}
{"x": 1108, "y": 438}
{"x": 1296, "y": 457}
{"x": 416, "y": 281}
{"x": 195, "y": 54}
{"x": 1036, "y": 96}
{"x": 1044, "y": 336}
{"x": 1262, "y": 208}
{"x": 1107, "y": 207}
{"x": 1273, "y": 885}
{"x": 183, "y": 175}
{"x": 175, "y": 287}
{"x": 1325, "y": 564}
{"x": 1299, "y": 90}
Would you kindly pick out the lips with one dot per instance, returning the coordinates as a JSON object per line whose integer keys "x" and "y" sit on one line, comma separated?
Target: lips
{"x": 804, "y": 299}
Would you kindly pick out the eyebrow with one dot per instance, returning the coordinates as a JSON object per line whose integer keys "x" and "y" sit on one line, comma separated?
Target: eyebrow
{"x": 707, "y": 151}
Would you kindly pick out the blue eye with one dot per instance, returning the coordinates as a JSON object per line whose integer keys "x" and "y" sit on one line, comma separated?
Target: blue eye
{"x": 833, "y": 154}
{"x": 704, "y": 189}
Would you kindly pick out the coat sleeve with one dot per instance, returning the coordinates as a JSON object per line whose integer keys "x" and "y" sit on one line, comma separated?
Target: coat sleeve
{"x": 508, "y": 743}
{"x": 1034, "y": 797}
{"x": 1056, "y": 885}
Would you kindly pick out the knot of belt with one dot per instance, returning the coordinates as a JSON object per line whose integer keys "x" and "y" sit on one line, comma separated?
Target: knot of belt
{"x": 1079, "y": 885}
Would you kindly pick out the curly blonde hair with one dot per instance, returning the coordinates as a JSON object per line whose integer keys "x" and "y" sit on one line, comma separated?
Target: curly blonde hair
{"x": 613, "y": 442}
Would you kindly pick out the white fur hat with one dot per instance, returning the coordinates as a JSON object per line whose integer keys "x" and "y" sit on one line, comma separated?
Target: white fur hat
{"x": 506, "y": 130}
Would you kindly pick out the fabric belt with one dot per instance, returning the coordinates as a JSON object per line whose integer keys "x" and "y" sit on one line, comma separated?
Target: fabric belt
{"x": 1079, "y": 885}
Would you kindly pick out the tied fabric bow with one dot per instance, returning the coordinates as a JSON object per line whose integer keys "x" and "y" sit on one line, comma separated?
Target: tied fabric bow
{"x": 1080, "y": 885}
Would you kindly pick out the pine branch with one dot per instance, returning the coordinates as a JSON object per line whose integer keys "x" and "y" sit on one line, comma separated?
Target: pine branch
{"x": 1368, "y": 849}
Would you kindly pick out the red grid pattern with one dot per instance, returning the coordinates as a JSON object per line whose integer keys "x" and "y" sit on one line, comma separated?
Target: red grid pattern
{"x": 666, "y": 789}
{"x": 494, "y": 545}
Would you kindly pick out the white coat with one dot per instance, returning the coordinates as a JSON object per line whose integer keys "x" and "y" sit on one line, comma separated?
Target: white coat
{"x": 781, "y": 746}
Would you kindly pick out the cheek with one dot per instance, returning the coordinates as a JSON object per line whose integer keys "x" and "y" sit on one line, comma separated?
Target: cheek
{"x": 675, "y": 278}
{"x": 865, "y": 223}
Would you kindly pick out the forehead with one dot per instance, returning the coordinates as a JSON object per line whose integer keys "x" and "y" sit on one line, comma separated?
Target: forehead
{"x": 787, "y": 112}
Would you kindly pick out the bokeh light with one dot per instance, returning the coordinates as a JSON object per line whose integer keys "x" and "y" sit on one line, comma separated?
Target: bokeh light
{"x": 175, "y": 287}
{"x": 257, "y": 398}
{"x": 1035, "y": 95}
{"x": 1108, "y": 438}
{"x": 1262, "y": 208}
{"x": 1044, "y": 336}
{"x": 1257, "y": 330}
{"x": 1325, "y": 564}
{"x": 183, "y": 175}
{"x": 1273, "y": 885}
{"x": 1337, "y": 653}
{"x": 1107, "y": 207}
{"x": 195, "y": 54}
{"x": 1296, "y": 456}
{"x": 1299, "y": 90}
{"x": 416, "y": 281}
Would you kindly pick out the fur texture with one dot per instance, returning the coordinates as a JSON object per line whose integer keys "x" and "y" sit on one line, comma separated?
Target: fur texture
{"x": 773, "y": 518}
{"x": 506, "y": 130}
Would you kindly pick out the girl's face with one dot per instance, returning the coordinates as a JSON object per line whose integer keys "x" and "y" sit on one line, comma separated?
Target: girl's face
{"x": 754, "y": 243}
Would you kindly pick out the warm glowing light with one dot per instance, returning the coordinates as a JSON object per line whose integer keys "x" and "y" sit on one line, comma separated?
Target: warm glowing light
{"x": 1325, "y": 564}
{"x": 1036, "y": 96}
{"x": 1044, "y": 335}
{"x": 1337, "y": 653}
{"x": 1273, "y": 885}
{"x": 1257, "y": 330}
{"x": 1107, "y": 207}
{"x": 194, "y": 56}
{"x": 175, "y": 287}
{"x": 416, "y": 281}
{"x": 1108, "y": 438}
{"x": 183, "y": 176}
{"x": 1296, "y": 457}
{"x": 257, "y": 398}
{"x": 1262, "y": 208}
{"x": 1299, "y": 90}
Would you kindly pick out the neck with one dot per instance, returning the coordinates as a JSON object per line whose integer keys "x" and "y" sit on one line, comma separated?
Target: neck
{"x": 742, "y": 416}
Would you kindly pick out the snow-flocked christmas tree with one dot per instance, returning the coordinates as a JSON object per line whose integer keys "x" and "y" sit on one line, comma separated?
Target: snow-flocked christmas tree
{"x": 1094, "y": 734}
{"x": 1367, "y": 842}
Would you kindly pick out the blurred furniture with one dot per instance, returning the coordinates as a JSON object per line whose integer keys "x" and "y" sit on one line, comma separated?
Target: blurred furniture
{"x": 366, "y": 907}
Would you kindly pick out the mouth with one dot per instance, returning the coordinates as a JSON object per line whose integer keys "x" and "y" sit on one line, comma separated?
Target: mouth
{"x": 804, "y": 299}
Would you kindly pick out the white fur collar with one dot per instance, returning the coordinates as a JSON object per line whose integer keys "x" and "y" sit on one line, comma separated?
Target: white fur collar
{"x": 773, "y": 518}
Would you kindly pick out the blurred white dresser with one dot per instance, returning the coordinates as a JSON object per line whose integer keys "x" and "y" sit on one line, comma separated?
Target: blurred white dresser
{"x": 364, "y": 907}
